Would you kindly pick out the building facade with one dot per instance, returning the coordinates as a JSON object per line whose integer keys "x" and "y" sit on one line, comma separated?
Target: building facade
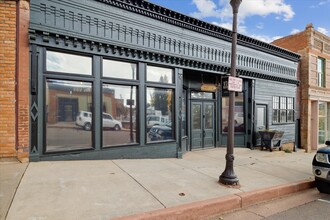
{"x": 314, "y": 48}
{"x": 14, "y": 84}
{"x": 131, "y": 79}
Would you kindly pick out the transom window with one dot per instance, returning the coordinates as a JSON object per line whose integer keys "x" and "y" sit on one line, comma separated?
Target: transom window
{"x": 159, "y": 74}
{"x": 121, "y": 70}
{"x": 283, "y": 109}
{"x": 68, "y": 63}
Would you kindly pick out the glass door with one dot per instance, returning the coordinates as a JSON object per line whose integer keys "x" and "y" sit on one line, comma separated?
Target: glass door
{"x": 202, "y": 125}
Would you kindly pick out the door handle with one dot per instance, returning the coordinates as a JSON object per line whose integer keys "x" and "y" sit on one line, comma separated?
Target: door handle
{"x": 204, "y": 133}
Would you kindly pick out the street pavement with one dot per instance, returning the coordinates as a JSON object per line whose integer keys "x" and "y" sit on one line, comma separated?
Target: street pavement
{"x": 171, "y": 188}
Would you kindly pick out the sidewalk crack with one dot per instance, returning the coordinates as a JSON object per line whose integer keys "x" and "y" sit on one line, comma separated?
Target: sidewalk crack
{"x": 139, "y": 184}
{"x": 19, "y": 183}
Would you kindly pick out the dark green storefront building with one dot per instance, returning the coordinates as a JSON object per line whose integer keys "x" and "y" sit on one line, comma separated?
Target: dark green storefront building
{"x": 131, "y": 79}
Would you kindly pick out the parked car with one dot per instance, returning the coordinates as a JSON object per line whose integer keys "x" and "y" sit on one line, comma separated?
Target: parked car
{"x": 156, "y": 120}
{"x": 321, "y": 168}
{"x": 237, "y": 128}
{"x": 160, "y": 132}
{"x": 84, "y": 120}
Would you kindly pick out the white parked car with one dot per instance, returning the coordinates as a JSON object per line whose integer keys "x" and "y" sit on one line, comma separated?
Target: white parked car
{"x": 156, "y": 120}
{"x": 84, "y": 120}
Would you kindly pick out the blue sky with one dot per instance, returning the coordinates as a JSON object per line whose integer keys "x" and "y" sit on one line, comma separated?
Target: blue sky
{"x": 265, "y": 20}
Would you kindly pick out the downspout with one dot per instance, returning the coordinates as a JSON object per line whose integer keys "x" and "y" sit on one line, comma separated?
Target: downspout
{"x": 298, "y": 109}
{"x": 16, "y": 75}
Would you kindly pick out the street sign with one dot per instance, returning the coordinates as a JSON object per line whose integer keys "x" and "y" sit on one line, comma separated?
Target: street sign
{"x": 234, "y": 84}
{"x": 130, "y": 102}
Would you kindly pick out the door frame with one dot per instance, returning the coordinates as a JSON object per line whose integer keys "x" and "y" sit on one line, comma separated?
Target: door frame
{"x": 256, "y": 136}
{"x": 202, "y": 102}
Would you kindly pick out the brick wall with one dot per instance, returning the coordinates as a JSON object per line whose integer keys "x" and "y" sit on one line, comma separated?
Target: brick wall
{"x": 23, "y": 63}
{"x": 295, "y": 42}
{"x": 14, "y": 91}
{"x": 7, "y": 83}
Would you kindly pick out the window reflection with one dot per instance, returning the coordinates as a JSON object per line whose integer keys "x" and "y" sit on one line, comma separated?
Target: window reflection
{"x": 208, "y": 111}
{"x": 159, "y": 74}
{"x": 197, "y": 117}
{"x": 160, "y": 110}
{"x": 202, "y": 95}
{"x": 117, "y": 69}
{"x": 68, "y": 115}
{"x": 238, "y": 115}
{"x": 68, "y": 63}
{"x": 119, "y": 115}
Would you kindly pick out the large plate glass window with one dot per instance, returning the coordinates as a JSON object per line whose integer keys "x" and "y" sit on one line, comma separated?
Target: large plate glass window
{"x": 68, "y": 115}
{"x": 119, "y": 115}
{"x": 238, "y": 115}
{"x": 117, "y": 69}
{"x": 160, "y": 110}
{"x": 68, "y": 63}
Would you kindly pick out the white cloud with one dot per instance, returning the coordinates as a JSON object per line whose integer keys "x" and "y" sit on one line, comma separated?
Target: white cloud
{"x": 208, "y": 8}
{"x": 294, "y": 31}
{"x": 323, "y": 30}
{"x": 228, "y": 25}
{"x": 265, "y": 38}
{"x": 320, "y": 4}
{"x": 221, "y": 9}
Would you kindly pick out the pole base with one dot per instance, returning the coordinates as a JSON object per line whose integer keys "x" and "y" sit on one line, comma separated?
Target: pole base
{"x": 228, "y": 180}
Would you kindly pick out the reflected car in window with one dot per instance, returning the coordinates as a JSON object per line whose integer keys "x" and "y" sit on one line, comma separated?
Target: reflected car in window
{"x": 156, "y": 120}
{"x": 161, "y": 132}
{"x": 84, "y": 120}
{"x": 237, "y": 128}
{"x": 321, "y": 168}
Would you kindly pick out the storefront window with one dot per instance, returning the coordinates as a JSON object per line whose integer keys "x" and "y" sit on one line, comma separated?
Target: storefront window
{"x": 159, "y": 74}
{"x": 160, "y": 109}
{"x": 68, "y": 115}
{"x": 238, "y": 115}
{"x": 119, "y": 115}
{"x": 322, "y": 122}
{"x": 117, "y": 69}
{"x": 68, "y": 63}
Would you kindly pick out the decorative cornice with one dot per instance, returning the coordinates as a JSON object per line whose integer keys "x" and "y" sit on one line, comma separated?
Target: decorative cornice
{"x": 169, "y": 16}
{"x": 70, "y": 42}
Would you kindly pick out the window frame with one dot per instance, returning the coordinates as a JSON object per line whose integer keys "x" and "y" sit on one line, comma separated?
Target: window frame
{"x": 163, "y": 86}
{"x": 281, "y": 106}
{"x": 321, "y": 72}
{"x": 70, "y": 53}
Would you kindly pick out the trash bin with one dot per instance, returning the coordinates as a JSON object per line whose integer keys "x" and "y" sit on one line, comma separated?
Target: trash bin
{"x": 271, "y": 139}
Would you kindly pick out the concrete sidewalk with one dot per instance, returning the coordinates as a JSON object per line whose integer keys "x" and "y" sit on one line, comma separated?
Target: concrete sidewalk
{"x": 164, "y": 188}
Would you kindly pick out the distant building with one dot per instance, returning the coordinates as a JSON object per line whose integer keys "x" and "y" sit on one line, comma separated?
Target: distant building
{"x": 314, "y": 109}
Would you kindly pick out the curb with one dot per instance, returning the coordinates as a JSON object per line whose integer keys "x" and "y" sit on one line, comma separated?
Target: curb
{"x": 212, "y": 207}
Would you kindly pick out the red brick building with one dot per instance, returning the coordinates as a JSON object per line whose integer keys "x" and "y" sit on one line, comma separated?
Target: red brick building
{"x": 314, "y": 48}
{"x": 14, "y": 84}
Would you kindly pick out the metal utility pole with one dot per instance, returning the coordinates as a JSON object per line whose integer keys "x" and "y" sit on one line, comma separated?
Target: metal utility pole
{"x": 228, "y": 176}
